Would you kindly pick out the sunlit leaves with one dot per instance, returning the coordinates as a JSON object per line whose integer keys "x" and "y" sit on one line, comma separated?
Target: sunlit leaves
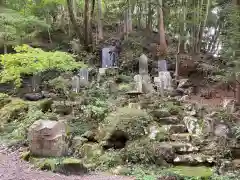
{"x": 30, "y": 60}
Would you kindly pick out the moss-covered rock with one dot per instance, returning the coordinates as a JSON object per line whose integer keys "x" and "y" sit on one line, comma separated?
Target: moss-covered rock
{"x": 62, "y": 109}
{"x": 173, "y": 108}
{"x": 49, "y": 164}
{"x": 89, "y": 151}
{"x": 156, "y": 132}
{"x": 89, "y": 135}
{"x": 191, "y": 171}
{"x": 13, "y": 110}
{"x": 46, "y": 105}
{"x": 160, "y": 113}
{"x": 124, "y": 122}
{"x": 78, "y": 141}
{"x": 25, "y": 156}
{"x": 145, "y": 151}
{"x": 71, "y": 166}
{"x": 124, "y": 87}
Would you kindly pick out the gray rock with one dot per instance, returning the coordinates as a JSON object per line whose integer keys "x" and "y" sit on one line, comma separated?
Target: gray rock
{"x": 192, "y": 124}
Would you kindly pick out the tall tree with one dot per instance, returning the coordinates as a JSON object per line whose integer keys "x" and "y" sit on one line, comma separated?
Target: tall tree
{"x": 73, "y": 19}
{"x": 99, "y": 18}
{"x": 162, "y": 40}
{"x": 87, "y": 25}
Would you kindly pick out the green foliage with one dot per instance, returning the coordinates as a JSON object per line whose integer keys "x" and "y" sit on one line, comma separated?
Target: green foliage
{"x": 131, "y": 121}
{"x": 237, "y": 131}
{"x": 16, "y": 28}
{"x": 30, "y": 60}
{"x": 97, "y": 106}
{"x": 109, "y": 160}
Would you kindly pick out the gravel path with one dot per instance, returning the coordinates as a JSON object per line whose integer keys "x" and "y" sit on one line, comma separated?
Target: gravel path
{"x": 13, "y": 168}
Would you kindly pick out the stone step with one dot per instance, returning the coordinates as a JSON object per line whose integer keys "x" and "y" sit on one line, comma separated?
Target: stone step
{"x": 168, "y": 120}
{"x": 194, "y": 159}
{"x": 175, "y": 128}
{"x": 180, "y": 147}
{"x": 183, "y": 137}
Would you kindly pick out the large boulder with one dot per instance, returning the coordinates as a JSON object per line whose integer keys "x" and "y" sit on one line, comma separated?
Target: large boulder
{"x": 123, "y": 125}
{"x": 48, "y": 138}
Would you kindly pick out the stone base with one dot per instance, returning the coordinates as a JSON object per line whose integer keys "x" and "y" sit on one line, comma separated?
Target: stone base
{"x": 134, "y": 105}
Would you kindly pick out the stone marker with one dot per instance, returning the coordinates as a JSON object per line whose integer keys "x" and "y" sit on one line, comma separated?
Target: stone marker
{"x": 143, "y": 64}
{"x": 138, "y": 83}
{"x": 147, "y": 85}
{"x": 163, "y": 81}
{"x": 36, "y": 81}
{"x": 48, "y": 138}
{"x": 106, "y": 62}
{"x": 83, "y": 77}
{"x": 109, "y": 57}
{"x": 229, "y": 105}
{"x": 162, "y": 65}
{"x": 113, "y": 56}
{"x": 76, "y": 84}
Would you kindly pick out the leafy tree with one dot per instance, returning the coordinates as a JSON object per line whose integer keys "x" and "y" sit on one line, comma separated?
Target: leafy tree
{"x": 16, "y": 28}
{"x": 30, "y": 60}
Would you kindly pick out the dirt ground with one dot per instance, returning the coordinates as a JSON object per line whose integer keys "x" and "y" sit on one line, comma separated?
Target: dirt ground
{"x": 13, "y": 168}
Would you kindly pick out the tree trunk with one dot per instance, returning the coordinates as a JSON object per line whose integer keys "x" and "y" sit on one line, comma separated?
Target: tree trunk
{"x": 237, "y": 4}
{"x": 203, "y": 27}
{"x": 163, "y": 44}
{"x": 100, "y": 28}
{"x": 140, "y": 15}
{"x": 75, "y": 7}
{"x": 149, "y": 17}
{"x": 87, "y": 26}
{"x": 73, "y": 19}
{"x": 238, "y": 89}
{"x": 126, "y": 23}
{"x": 129, "y": 16}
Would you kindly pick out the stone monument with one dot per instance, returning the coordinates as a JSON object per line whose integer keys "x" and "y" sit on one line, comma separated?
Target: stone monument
{"x": 48, "y": 138}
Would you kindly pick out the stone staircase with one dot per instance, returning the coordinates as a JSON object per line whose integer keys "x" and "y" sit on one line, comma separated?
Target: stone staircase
{"x": 183, "y": 143}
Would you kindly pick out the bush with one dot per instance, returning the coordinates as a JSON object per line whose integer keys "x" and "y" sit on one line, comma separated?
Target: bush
{"x": 30, "y": 60}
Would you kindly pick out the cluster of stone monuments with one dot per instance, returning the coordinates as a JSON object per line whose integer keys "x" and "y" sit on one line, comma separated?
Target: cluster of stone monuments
{"x": 47, "y": 138}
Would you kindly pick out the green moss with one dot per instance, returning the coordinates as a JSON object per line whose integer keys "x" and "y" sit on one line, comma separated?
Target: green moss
{"x": 142, "y": 151}
{"x": 45, "y": 105}
{"x": 123, "y": 78}
{"x": 173, "y": 108}
{"x": 71, "y": 161}
{"x": 3, "y": 95}
{"x": 71, "y": 166}
{"x": 49, "y": 164}
{"x": 192, "y": 171}
{"x": 89, "y": 151}
{"x": 14, "y": 110}
{"x": 124, "y": 87}
{"x": 25, "y": 156}
{"x": 4, "y": 99}
{"x": 131, "y": 121}
{"x": 108, "y": 160}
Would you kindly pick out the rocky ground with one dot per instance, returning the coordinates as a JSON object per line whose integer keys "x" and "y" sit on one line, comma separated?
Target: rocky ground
{"x": 12, "y": 168}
